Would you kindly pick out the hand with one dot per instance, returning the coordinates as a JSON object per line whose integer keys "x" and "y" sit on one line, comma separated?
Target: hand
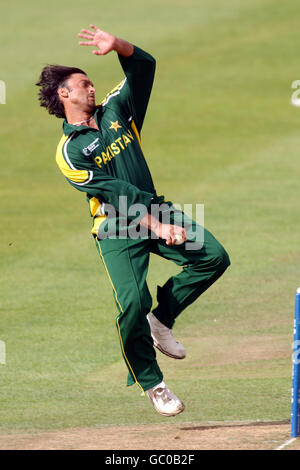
{"x": 173, "y": 234}
{"x": 105, "y": 42}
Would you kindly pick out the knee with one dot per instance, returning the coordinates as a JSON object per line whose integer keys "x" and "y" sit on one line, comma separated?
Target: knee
{"x": 139, "y": 304}
{"x": 215, "y": 262}
{"x": 222, "y": 259}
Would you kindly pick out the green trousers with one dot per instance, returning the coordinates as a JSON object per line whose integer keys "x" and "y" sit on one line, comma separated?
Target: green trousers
{"x": 126, "y": 261}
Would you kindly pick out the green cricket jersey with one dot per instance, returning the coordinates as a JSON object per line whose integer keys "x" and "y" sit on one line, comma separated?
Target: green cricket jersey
{"x": 109, "y": 162}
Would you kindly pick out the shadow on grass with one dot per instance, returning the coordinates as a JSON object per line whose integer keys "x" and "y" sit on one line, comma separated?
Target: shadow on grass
{"x": 235, "y": 425}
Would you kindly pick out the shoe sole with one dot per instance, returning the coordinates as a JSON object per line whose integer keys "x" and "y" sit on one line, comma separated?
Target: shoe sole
{"x": 169, "y": 415}
{"x": 166, "y": 352}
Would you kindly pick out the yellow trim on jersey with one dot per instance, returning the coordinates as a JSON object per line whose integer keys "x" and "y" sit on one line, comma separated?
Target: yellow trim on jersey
{"x": 134, "y": 128}
{"x": 97, "y": 222}
{"x": 116, "y": 89}
{"x": 95, "y": 206}
{"x": 118, "y": 325}
{"x": 74, "y": 175}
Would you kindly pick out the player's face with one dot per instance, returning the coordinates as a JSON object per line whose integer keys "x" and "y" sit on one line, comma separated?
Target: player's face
{"x": 81, "y": 92}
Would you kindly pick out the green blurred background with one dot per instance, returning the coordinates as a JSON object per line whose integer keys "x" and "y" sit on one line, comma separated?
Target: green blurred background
{"x": 220, "y": 131}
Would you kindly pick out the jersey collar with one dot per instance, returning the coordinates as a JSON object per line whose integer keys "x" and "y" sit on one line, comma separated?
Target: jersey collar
{"x": 69, "y": 128}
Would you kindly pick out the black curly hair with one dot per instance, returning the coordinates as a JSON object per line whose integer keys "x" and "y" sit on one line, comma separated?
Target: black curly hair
{"x": 52, "y": 78}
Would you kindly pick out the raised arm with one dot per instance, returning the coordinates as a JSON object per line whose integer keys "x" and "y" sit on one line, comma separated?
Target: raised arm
{"x": 105, "y": 42}
{"x": 139, "y": 68}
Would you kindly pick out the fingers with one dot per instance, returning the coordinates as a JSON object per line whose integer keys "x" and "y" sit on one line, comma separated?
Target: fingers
{"x": 87, "y": 36}
{"x": 86, "y": 43}
{"x": 88, "y": 31}
{"x": 94, "y": 27}
{"x": 171, "y": 240}
{"x": 173, "y": 234}
{"x": 177, "y": 236}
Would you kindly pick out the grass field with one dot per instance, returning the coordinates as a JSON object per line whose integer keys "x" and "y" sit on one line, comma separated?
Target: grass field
{"x": 220, "y": 131}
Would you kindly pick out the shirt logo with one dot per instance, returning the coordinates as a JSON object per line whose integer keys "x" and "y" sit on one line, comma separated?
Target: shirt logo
{"x": 115, "y": 125}
{"x": 90, "y": 148}
{"x": 115, "y": 148}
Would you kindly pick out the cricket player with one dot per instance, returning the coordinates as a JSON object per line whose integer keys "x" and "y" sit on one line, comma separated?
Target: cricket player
{"x": 100, "y": 154}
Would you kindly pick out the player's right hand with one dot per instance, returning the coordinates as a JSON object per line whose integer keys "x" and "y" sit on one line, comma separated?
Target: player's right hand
{"x": 172, "y": 233}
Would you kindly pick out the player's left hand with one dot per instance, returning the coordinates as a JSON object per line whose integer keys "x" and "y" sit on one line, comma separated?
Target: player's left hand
{"x": 105, "y": 42}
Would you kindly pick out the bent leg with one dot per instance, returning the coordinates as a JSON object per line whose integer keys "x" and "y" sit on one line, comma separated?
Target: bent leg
{"x": 201, "y": 268}
{"x": 126, "y": 262}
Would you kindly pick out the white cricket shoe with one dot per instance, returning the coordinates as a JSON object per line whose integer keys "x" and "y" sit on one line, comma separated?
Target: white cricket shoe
{"x": 164, "y": 340}
{"x": 164, "y": 401}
